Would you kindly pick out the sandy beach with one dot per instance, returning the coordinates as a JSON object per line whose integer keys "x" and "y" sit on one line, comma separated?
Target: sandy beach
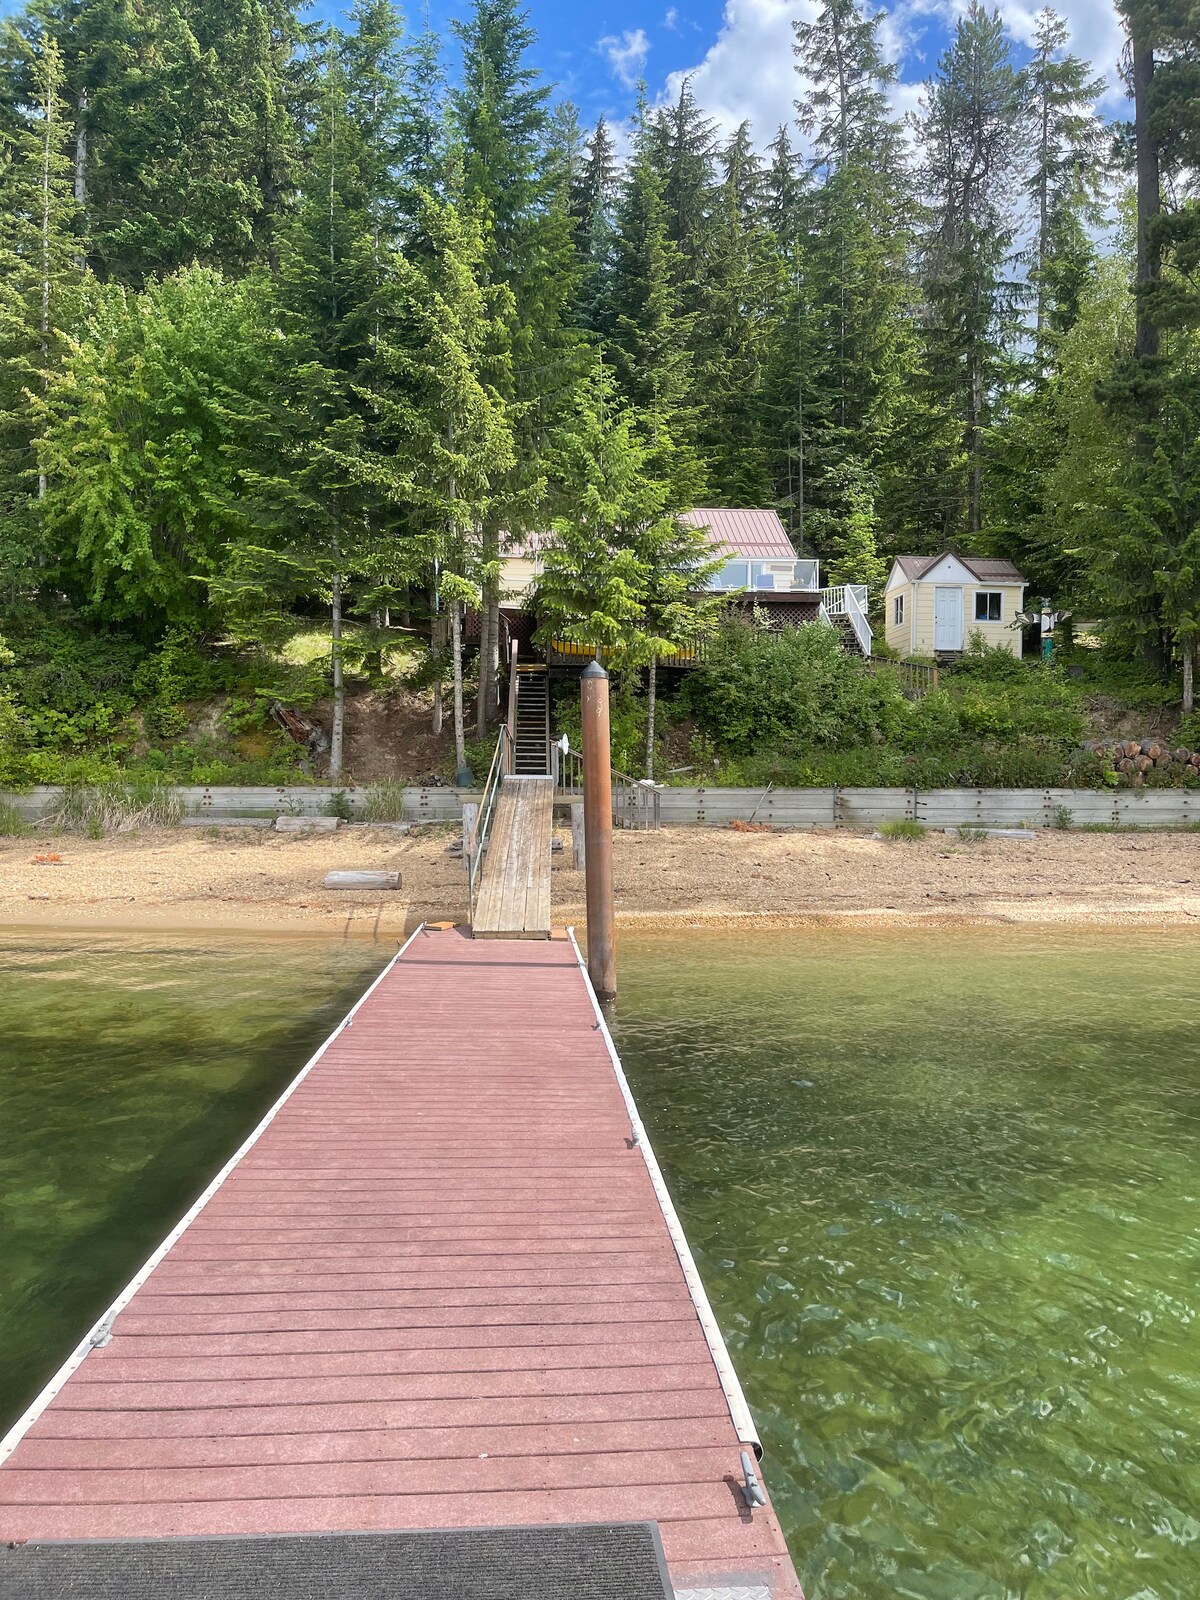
{"x": 255, "y": 879}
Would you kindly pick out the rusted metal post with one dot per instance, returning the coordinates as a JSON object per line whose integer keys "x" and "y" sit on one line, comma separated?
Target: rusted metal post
{"x": 597, "y": 827}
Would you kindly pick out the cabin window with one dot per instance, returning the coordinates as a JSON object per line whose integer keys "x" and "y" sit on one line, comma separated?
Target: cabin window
{"x": 898, "y": 610}
{"x": 987, "y": 605}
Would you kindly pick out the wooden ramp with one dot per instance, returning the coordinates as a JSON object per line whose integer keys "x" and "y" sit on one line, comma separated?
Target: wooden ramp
{"x": 514, "y": 888}
{"x": 440, "y": 1286}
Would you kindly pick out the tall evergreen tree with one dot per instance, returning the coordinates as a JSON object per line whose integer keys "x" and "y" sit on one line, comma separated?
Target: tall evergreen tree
{"x": 39, "y": 242}
{"x": 1065, "y": 186}
{"x": 972, "y": 136}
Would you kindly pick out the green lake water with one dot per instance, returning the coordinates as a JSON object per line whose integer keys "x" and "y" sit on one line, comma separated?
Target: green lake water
{"x": 943, "y": 1188}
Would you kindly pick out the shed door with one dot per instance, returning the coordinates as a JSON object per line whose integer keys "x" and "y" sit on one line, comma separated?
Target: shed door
{"x": 947, "y": 618}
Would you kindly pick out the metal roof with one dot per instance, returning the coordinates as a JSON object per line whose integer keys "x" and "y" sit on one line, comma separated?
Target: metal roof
{"x": 757, "y": 534}
{"x": 985, "y": 568}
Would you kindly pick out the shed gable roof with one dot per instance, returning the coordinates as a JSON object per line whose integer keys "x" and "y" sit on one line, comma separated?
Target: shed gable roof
{"x": 984, "y": 569}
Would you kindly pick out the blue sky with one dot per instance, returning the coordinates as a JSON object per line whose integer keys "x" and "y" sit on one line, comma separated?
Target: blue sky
{"x": 739, "y": 51}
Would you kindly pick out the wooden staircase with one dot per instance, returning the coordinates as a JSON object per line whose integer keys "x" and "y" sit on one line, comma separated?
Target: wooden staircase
{"x": 531, "y": 735}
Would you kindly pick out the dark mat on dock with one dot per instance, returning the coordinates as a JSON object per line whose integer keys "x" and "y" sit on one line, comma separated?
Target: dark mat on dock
{"x": 600, "y": 1561}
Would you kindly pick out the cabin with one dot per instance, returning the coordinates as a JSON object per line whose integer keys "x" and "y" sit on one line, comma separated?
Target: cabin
{"x": 760, "y": 569}
{"x": 933, "y": 604}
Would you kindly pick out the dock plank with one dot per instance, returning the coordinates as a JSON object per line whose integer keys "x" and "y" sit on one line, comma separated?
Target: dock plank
{"x": 438, "y": 1290}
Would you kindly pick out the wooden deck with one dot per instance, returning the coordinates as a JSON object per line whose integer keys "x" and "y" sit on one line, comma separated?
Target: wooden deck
{"x": 514, "y": 888}
{"x": 440, "y": 1286}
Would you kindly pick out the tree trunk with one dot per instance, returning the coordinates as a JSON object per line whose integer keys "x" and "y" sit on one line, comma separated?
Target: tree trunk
{"x": 460, "y": 734}
{"x": 651, "y": 707}
{"x": 44, "y": 321}
{"x": 974, "y": 446}
{"x": 1149, "y": 192}
{"x": 436, "y": 629}
{"x": 483, "y": 700}
{"x": 81, "y": 149}
{"x": 339, "y": 684}
{"x": 1189, "y": 675}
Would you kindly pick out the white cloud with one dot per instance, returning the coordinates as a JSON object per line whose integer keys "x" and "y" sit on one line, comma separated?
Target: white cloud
{"x": 625, "y": 53}
{"x": 749, "y": 72}
{"x": 671, "y": 20}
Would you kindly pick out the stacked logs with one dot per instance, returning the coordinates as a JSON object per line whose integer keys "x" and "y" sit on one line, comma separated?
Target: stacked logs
{"x": 1135, "y": 759}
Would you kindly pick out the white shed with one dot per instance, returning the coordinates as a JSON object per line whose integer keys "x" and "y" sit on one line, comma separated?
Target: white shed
{"x": 933, "y": 604}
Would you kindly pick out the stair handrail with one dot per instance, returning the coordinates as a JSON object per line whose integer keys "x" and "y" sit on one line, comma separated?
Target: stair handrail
{"x": 842, "y": 600}
{"x": 512, "y": 690}
{"x": 473, "y": 848}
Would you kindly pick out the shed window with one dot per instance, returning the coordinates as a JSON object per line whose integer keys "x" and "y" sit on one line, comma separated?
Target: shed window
{"x": 898, "y": 610}
{"x": 987, "y": 605}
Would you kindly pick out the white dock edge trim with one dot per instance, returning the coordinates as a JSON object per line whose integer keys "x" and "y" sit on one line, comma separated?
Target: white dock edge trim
{"x": 100, "y": 1332}
{"x": 739, "y": 1411}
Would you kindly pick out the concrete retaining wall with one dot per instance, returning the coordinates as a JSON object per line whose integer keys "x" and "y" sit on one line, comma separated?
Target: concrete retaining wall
{"x": 784, "y": 808}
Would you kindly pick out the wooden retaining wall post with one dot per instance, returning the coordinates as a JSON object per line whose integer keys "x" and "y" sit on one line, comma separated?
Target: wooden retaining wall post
{"x": 597, "y": 827}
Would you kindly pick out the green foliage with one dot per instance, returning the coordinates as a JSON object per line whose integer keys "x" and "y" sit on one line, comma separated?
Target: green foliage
{"x": 339, "y": 805}
{"x": 902, "y": 828}
{"x": 12, "y": 823}
{"x": 786, "y": 691}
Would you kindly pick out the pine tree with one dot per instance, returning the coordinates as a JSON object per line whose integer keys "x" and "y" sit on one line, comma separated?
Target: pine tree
{"x": 1066, "y": 184}
{"x": 39, "y": 244}
{"x": 971, "y": 135}
{"x": 512, "y": 182}
{"x": 649, "y": 334}
{"x": 852, "y": 311}
{"x": 310, "y": 494}
{"x": 623, "y": 575}
{"x": 592, "y": 206}
{"x": 444, "y": 410}
{"x": 738, "y": 329}
{"x": 1153, "y": 394}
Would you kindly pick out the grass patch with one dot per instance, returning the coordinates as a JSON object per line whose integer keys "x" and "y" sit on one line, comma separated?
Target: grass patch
{"x": 971, "y": 834}
{"x": 903, "y": 828}
{"x": 98, "y": 809}
{"x": 12, "y": 823}
{"x": 385, "y": 802}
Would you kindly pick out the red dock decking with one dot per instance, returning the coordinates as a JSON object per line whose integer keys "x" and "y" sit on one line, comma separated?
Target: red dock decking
{"x": 440, "y": 1286}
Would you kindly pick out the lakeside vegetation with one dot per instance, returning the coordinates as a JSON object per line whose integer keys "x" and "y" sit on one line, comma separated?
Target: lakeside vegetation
{"x": 275, "y": 384}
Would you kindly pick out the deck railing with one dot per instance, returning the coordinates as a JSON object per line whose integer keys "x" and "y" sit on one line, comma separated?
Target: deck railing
{"x": 849, "y": 600}
{"x": 635, "y": 801}
{"x": 475, "y": 845}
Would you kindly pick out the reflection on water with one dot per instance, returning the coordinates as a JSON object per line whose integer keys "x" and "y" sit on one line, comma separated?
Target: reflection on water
{"x": 130, "y": 1070}
{"x": 943, "y": 1189}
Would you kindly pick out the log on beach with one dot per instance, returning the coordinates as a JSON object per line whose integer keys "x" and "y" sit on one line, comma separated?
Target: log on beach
{"x": 362, "y": 880}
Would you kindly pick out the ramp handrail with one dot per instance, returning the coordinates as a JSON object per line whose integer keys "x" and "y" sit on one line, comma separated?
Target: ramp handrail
{"x": 635, "y": 800}
{"x": 476, "y": 844}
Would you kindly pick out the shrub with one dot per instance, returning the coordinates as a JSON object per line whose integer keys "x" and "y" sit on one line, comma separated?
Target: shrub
{"x": 785, "y": 691}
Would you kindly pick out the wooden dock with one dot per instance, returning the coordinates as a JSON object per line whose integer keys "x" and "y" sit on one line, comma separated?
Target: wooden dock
{"x": 514, "y": 889}
{"x": 440, "y": 1286}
